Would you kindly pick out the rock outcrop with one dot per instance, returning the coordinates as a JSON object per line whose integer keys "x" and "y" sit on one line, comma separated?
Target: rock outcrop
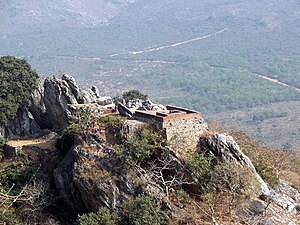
{"x": 76, "y": 91}
{"x": 49, "y": 107}
{"x": 276, "y": 206}
{"x": 24, "y": 125}
{"x": 285, "y": 196}
{"x": 89, "y": 178}
{"x": 225, "y": 148}
{"x": 281, "y": 206}
{"x": 88, "y": 181}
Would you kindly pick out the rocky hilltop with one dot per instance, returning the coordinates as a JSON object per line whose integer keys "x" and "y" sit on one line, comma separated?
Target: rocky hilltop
{"x": 89, "y": 180}
{"x": 49, "y": 110}
{"x": 132, "y": 169}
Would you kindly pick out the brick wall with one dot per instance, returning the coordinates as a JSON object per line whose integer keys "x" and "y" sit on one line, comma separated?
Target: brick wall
{"x": 183, "y": 134}
{"x": 182, "y": 127}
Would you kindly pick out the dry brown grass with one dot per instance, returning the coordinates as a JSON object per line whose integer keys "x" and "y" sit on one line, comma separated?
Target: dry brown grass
{"x": 285, "y": 164}
{"x": 206, "y": 209}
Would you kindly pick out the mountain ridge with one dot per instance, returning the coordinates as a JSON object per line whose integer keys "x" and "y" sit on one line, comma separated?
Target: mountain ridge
{"x": 36, "y": 14}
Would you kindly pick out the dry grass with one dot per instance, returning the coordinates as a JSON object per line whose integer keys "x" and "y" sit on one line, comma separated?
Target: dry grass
{"x": 205, "y": 209}
{"x": 285, "y": 164}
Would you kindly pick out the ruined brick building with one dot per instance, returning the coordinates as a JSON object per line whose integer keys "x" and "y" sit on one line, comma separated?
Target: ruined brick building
{"x": 181, "y": 127}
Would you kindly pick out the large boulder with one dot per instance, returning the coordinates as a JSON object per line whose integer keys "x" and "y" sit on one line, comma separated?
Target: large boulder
{"x": 49, "y": 108}
{"x": 90, "y": 177}
{"x": 57, "y": 96}
{"x": 73, "y": 87}
{"x": 285, "y": 196}
{"x": 96, "y": 91}
{"x": 277, "y": 206}
{"x": 38, "y": 108}
{"x": 281, "y": 206}
{"x": 88, "y": 96}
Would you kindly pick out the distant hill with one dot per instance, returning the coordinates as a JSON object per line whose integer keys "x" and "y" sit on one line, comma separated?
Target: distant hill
{"x": 51, "y": 14}
{"x": 35, "y": 14}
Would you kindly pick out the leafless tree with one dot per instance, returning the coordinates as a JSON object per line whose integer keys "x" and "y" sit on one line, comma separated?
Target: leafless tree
{"x": 33, "y": 199}
{"x": 166, "y": 172}
{"x": 211, "y": 203}
{"x": 36, "y": 199}
{"x": 234, "y": 179}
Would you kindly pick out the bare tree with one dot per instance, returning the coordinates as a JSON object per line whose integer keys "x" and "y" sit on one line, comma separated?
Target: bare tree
{"x": 211, "y": 204}
{"x": 33, "y": 199}
{"x": 234, "y": 179}
{"x": 36, "y": 198}
{"x": 166, "y": 172}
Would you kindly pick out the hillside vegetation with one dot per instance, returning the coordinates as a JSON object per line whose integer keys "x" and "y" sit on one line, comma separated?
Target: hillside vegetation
{"x": 29, "y": 195}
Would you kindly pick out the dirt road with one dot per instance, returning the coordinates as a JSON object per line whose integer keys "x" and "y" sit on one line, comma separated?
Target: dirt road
{"x": 276, "y": 81}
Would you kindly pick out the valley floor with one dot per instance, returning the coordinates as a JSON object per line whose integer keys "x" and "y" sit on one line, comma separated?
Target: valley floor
{"x": 276, "y": 125}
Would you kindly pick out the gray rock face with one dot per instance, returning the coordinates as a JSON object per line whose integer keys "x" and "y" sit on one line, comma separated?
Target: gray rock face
{"x": 24, "y": 125}
{"x": 131, "y": 128}
{"x": 49, "y": 108}
{"x": 96, "y": 91}
{"x": 280, "y": 206}
{"x": 57, "y": 96}
{"x": 88, "y": 96}
{"x": 74, "y": 87}
{"x": 38, "y": 108}
{"x": 91, "y": 95}
{"x": 224, "y": 147}
{"x": 108, "y": 184}
{"x": 286, "y": 197}
{"x": 89, "y": 179}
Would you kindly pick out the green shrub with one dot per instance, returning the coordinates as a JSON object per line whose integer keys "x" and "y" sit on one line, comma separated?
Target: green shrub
{"x": 2, "y": 141}
{"x": 102, "y": 217}
{"x": 201, "y": 164}
{"x": 16, "y": 174}
{"x": 143, "y": 146}
{"x": 267, "y": 173}
{"x": 67, "y": 139}
{"x": 144, "y": 210}
{"x": 182, "y": 197}
{"x": 9, "y": 217}
{"x": 234, "y": 178}
{"x": 130, "y": 95}
{"x": 113, "y": 121}
{"x": 117, "y": 99}
{"x": 134, "y": 94}
{"x": 17, "y": 80}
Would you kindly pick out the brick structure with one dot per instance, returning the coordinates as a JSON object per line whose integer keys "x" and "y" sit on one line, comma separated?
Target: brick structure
{"x": 182, "y": 127}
